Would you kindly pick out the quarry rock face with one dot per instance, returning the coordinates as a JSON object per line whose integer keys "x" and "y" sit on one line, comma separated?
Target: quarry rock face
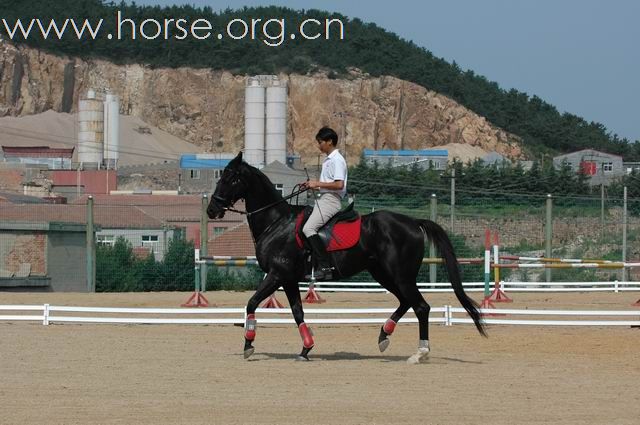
{"x": 206, "y": 107}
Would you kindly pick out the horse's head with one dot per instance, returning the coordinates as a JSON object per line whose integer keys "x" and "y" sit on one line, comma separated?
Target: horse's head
{"x": 233, "y": 185}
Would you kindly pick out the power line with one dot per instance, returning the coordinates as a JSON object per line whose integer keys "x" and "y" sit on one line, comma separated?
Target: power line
{"x": 140, "y": 152}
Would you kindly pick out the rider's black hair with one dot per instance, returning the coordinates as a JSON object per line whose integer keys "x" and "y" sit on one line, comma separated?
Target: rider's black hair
{"x": 326, "y": 133}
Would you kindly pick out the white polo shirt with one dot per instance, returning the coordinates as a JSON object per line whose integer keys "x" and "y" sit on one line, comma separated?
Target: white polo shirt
{"x": 334, "y": 168}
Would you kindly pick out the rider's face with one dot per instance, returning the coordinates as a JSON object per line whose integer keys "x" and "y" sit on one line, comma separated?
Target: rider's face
{"x": 323, "y": 145}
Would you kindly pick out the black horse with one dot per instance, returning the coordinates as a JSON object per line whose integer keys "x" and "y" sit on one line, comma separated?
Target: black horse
{"x": 391, "y": 248}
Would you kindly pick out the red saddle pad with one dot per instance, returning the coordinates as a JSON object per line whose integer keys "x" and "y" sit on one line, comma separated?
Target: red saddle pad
{"x": 344, "y": 235}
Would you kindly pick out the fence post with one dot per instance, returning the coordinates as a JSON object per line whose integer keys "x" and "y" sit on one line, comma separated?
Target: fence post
{"x": 204, "y": 238}
{"x": 487, "y": 261}
{"x": 432, "y": 249}
{"x": 45, "y": 313}
{"x": 624, "y": 234}
{"x": 91, "y": 248}
{"x": 548, "y": 234}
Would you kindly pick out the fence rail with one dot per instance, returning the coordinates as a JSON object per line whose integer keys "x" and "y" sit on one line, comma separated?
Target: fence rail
{"x": 446, "y": 315}
{"x": 373, "y": 287}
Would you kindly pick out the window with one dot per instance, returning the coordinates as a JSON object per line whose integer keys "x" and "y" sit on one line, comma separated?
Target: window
{"x": 217, "y": 231}
{"x": 105, "y": 240}
{"x": 280, "y": 189}
{"x": 150, "y": 241}
{"x": 195, "y": 174}
{"x": 216, "y": 174}
{"x": 607, "y": 167}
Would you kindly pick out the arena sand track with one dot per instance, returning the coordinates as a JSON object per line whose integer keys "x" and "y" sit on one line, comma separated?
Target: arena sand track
{"x": 195, "y": 374}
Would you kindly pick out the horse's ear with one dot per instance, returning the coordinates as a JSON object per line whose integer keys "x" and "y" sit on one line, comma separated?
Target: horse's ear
{"x": 237, "y": 160}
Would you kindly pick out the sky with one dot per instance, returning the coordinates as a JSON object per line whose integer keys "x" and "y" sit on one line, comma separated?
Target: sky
{"x": 582, "y": 56}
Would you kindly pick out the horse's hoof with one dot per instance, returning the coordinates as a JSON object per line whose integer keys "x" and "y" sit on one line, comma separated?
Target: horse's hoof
{"x": 248, "y": 352}
{"x": 384, "y": 344}
{"x": 422, "y": 356}
{"x": 304, "y": 355}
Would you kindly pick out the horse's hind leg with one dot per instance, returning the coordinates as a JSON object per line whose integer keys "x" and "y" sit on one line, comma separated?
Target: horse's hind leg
{"x": 421, "y": 309}
{"x": 265, "y": 288}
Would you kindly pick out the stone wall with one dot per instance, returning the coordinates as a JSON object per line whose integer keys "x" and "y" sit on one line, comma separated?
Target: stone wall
{"x": 23, "y": 248}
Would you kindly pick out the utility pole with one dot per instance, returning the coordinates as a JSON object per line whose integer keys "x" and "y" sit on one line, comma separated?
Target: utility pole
{"x": 624, "y": 234}
{"x": 343, "y": 131}
{"x": 91, "y": 247}
{"x": 548, "y": 231}
{"x": 602, "y": 208}
{"x": 453, "y": 197}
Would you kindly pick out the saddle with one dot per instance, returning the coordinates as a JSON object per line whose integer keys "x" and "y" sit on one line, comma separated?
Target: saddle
{"x": 341, "y": 232}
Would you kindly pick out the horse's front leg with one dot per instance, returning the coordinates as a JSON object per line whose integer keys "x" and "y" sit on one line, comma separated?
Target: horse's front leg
{"x": 267, "y": 287}
{"x": 293, "y": 295}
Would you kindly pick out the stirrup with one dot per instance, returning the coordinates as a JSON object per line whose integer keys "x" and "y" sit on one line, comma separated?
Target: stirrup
{"x": 321, "y": 275}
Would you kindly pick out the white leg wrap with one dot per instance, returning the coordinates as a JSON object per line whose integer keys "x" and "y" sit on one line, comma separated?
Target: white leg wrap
{"x": 423, "y": 345}
{"x": 422, "y": 355}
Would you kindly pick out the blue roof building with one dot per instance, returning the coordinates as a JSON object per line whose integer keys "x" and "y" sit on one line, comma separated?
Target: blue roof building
{"x": 402, "y": 153}
{"x": 424, "y": 158}
{"x": 200, "y": 172}
{"x": 193, "y": 161}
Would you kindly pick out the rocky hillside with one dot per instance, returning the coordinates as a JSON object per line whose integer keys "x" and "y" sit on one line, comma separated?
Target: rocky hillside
{"x": 206, "y": 107}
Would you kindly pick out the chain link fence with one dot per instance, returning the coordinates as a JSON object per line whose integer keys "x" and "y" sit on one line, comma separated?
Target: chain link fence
{"x": 147, "y": 244}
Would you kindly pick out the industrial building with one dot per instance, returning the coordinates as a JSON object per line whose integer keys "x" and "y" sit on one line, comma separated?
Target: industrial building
{"x": 600, "y": 167}
{"x": 265, "y": 120}
{"x": 426, "y": 158}
{"x": 32, "y": 256}
{"x": 52, "y": 172}
{"x": 98, "y": 131}
{"x": 265, "y": 142}
{"x": 51, "y": 158}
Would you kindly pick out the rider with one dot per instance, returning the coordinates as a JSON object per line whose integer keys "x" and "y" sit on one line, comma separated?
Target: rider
{"x": 333, "y": 187}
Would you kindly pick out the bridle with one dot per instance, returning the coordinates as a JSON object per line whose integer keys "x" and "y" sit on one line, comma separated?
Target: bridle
{"x": 223, "y": 201}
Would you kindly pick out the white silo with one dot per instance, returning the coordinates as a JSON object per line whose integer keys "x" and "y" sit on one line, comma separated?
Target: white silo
{"x": 254, "y": 122}
{"x": 111, "y": 131}
{"x": 276, "y": 128}
{"x": 90, "y": 131}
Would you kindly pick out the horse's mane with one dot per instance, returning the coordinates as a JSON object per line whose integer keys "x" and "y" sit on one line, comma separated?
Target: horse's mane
{"x": 264, "y": 180}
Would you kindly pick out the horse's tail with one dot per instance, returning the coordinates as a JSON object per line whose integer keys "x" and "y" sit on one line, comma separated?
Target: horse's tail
{"x": 438, "y": 236}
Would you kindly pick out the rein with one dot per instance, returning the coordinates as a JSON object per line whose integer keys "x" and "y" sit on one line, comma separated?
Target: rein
{"x": 266, "y": 207}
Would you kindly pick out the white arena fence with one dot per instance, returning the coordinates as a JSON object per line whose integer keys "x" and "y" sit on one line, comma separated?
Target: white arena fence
{"x": 614, "y": 286}
{"x": 447, "y": 315}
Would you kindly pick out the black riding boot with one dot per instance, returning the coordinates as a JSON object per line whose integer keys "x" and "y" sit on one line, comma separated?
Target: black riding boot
{"x": 320, "y": 257}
